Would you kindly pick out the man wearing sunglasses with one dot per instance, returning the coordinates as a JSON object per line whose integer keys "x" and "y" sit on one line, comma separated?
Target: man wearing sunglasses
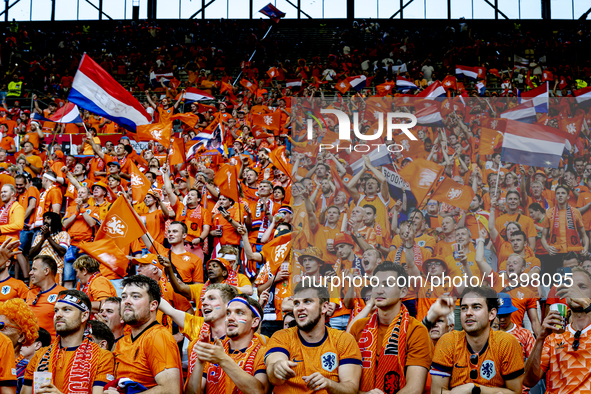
{"x": 477, "y": 359}
{"x": 564, "y": 356}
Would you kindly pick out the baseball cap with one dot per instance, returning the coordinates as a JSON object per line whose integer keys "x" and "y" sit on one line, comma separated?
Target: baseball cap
{"x": 505, "y": 305}
{"x": 114, "y": 163}
{"x": 148, "y": 259}
{"x": 343, "y": 238}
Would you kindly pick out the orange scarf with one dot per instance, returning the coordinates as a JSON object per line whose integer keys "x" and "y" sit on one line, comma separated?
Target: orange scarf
{"x": 5, "y": 214}
{"x": 572, "y": 236}
{"x": 390, "y": 368}
{"x": 204, "y": 336}
{"x": 79, "y": 377}
{"x": 215, "y": 373}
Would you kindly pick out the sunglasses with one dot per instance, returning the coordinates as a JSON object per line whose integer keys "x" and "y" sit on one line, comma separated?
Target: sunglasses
{"x": 576, "y": 342}
{"x": 3, "y": 325}
{"x": 474, "y": 361}
{"x": 36, "y": 298}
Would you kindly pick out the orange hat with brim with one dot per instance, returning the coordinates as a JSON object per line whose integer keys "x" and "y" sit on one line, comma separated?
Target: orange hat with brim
{"x": 151, "y": 259}
{"x": 313, "y": 252}
{"x": 428, "y": 261}
{"x": 343, "y": 238}
{"x": 540, "y": 172}
{"x": 225, "y": 263}
{"x": 101, "y": 184}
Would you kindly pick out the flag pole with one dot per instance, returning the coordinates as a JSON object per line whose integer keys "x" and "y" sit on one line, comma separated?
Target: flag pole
{"x": 251, "y": 56}
{"x": 60, "y": 123}
{"x": 498, "y": 173}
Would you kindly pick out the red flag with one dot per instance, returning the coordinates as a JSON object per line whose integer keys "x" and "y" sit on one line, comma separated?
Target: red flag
{"x": 385, "y": 88}
{"x": 454, "y": 194}
{"x": 259, "y": 134}
{"x": 108, "y": 254}
{"x": 159, "y": 132}
{"x": 528, "y": 81}
{"x": 562, "y": 83}
{"x": 421, "y": 175}
{"x": 547, "y": 76}
{"x": 226, "y": 87}
{"x": 140, "y": 185}
{"x": 251, "y": 87}
{"x": 449, "y": 82}
{"x": 343, "y": 86}
{"x": 226, "y": 178}
{"x": 270, "y": 121}
{"x": 176, "y": 152}
{"x": 121, "y": 224}
{"x": 495, "y": 72}
{"x": 481, "y": 72}
{"x": 273, "y": 72}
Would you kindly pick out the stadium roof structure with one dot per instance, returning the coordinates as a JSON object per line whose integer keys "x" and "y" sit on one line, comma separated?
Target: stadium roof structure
{"x": 52, "y": 10}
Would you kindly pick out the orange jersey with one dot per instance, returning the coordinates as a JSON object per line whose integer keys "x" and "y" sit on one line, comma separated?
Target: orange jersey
{"x": 194, "y": 218}
{"x": 12, "y": 288}
{"x": 60, "y": 364}
{"x": 144, "y": 357}
{"x": 44, "y": 304}
{"x": 155, "y": 224}
{"x": 100, "y": 288}
{"x": 322, "y": 236}
{"x": 443, "y": 248}
{"x": 35, "y": 161}
{"x": 7, "y": 363}
{"x": 14, "y": 222}
{"x": 500, "y": 360}
{"x": 46, "y": 200}
{"x": 188, "y": 265}
{"x": 335, "y": 349}
{"x": 567, "y": 370}
{"x": 427, "y": 297}
{"x": 80, "y": 231}
{"x": 229, "y": 234}
{"x": 525, "y": 338}
{"x": 527, "y": 224}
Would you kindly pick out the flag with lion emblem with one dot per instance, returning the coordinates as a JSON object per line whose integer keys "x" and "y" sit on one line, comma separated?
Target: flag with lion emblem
{"x": 421, "y": 175}
{"x": 140, "y": 185}
{"x": 454, "y": 194}
{"x": 159, "y": 132}
{"x": 121, "y": 224}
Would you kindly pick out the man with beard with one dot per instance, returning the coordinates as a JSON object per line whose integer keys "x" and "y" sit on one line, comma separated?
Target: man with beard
{"x": 149, "y": 355}
{"x": 264, "y": 166}
{"x": 312, "y": 356}
{"x": 326, "y": 196}
{"x": 475, "y": 218}
{"x": 324, "y": 233}
{"x": 250, "y": 179}
{"x": 120, "y": 158}
{"x": 74, "y": 180}
{"x": 235, "y": 362}
{"x": 73, "y": 359}
{"x": 44, "y": 291}
{"x": 390, "y": 327}
{"x": 562, "y": 353}
{"x": 477, "y": 359}
{"x": 12, "y": 214}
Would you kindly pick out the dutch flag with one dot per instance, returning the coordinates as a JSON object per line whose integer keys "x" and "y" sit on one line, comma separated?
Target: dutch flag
{"x": 468, "y": 72}
{"x": 525, "y": 113}
{"x": 192, "y": 95}
{"x": 582, "y": 95}
{"x": 95, "y": 90}
{"x": 434, "y": 90}
{"x": 430, "y": 115}
{"x": 357, "y": 82}
{"x": 404, "y": 84}
{"x": 532, "y": 144}
{"x": 67, "y": 114}
{"x": 539, "y": 97}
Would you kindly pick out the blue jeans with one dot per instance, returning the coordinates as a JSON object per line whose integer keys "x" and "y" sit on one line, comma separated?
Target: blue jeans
{"x": 26, "y": 238}
{"x": 339, "y": 322}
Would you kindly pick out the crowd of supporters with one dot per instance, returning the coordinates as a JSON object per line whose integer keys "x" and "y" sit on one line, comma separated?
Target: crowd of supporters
{"x": 218, "y": 293}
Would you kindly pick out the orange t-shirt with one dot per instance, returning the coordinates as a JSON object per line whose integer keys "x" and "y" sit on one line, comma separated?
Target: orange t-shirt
{"x": 501, "y": 360}
{"x": 45, "y": 202}
{"x": 155, "y": 224}
{"x": 43, "y": 308}
{"x": 144, "y": 357}
{"x": 527, "y": 224}
{"x": 188, "y": 265}
{"x": 35, "y": 161}
{"x": 194, "y": 218}
{"x": 101, "y": 366}
{"x": 308, "y": 356}
{"x": 320, "y": 238}
{"x": 12, "y": 288}
{"x": 8, "y": 142}
{"x": 229, "y": 234}
{"x": 80, "y": 231}
{"x": 101, "y": 288}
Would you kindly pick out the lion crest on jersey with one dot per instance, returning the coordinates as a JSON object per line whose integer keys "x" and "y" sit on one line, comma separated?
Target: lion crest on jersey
{"x": 329, "y": 361}
{"x": 5, "y": 290}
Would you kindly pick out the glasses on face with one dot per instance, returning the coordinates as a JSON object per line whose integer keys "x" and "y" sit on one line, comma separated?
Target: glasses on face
{"x": 474, "y": 361}
{"x": 576, "y": 342}
{"x": 3, "y": 326}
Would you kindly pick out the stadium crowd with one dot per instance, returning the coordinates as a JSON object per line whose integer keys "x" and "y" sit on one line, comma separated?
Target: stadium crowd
{"x": 116, "y": 265}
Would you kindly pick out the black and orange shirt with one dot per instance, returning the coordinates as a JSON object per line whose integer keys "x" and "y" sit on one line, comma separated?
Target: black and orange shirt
{"x": 335, "y": 349}
{"x": 500, "y": 359}
{"x": 143, "y": 357}
{"x": 12, "y": 288}
{"x": 101, "y": 364}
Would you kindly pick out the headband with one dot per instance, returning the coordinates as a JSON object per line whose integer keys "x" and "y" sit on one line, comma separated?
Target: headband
{"x": 287, "y": 210}
{"x": 229, "y": 257}
{"x": 243, "y": 301}
{"x": 73, "y": 301}
{"x": 51, "y": 178}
